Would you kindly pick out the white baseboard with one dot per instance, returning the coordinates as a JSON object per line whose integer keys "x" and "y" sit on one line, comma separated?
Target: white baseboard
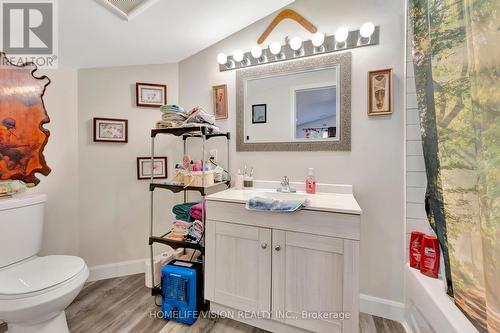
{"x": 118, "y": 269}
{"x": 382, "y": 307}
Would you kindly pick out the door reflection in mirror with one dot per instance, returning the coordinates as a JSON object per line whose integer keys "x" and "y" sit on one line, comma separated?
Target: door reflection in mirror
{"x": 296, "y": 107}
{"x": 316, "y": 113}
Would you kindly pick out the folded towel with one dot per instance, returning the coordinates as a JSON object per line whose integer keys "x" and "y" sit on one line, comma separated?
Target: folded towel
{"x": 172, "y": 108}
{"x": 196, "y": 211}
{"x": 168, "y": 124}
{"x": 211, "y": 129}
{"x": 175, "y": 236}
{"x": 181, "y": 211}
{"x": 195, "y": 232}
{"x": 275, "y": 205}
{"x": 181, "y": 227}
{"x": 172, "y": 116}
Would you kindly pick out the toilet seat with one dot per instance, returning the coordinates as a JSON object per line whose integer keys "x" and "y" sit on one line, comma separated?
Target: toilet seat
{"x": 38, "y": 275}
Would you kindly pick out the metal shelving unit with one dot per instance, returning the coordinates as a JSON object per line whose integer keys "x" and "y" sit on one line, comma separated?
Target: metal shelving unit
{"x": 203, "y": 133}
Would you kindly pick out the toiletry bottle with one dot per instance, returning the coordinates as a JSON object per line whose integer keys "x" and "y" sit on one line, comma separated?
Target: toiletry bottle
{"x": 429, "y": 257}
{"x": 310, "y": 182}
{"x": 415, "y": 249}
{"x": 238, "y": 183}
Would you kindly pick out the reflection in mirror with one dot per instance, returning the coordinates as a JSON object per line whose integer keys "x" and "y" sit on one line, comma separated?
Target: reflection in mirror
{"x": 296, "y": 107}
{"x": 316, "y": 113}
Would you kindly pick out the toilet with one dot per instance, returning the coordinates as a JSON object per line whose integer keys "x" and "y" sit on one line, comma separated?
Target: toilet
{"x": 34, "y": 290}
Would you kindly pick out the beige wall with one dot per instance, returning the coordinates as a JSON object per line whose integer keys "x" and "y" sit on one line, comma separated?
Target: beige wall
{"x": 61, "y": 153}
{"x": 114, "y": 205}
{"x": 375, "y": 164}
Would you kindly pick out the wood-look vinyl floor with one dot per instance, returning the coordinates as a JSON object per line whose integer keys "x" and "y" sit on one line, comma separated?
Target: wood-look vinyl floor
{"x": 124, "y": 304}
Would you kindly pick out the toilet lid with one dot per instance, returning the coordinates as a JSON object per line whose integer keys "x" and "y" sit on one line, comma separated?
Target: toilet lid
{"x": 38, "y": 274}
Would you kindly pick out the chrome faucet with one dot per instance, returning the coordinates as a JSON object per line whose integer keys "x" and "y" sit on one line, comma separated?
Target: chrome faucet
{"x": 285, "y": 186}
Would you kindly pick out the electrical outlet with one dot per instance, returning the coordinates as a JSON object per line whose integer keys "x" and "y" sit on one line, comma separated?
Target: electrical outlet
{"x": 213, "y": 155}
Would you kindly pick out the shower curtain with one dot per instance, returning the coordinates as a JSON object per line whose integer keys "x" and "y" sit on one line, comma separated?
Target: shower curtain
{"x": 456, "y": 50}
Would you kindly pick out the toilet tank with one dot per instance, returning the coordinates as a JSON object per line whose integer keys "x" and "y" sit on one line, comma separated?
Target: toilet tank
{"x": 21, "y": 227}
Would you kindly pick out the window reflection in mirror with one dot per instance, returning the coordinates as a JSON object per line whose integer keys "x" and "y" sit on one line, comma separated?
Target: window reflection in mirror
{"x": 296, "y": 107}
{"x": 316, "y": 113}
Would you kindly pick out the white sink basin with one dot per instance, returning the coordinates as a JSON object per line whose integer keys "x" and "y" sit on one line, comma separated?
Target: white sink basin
{"x": 282, "y": 196}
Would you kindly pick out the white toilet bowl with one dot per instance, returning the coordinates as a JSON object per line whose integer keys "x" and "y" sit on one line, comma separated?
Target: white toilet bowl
{"x": 35, "y": 292}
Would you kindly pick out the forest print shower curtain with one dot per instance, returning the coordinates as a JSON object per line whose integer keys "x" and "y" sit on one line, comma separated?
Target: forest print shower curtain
{"x": 456, "y": 50}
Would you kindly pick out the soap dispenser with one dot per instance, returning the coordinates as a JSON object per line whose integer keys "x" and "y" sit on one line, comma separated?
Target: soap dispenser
{"x": 310, "y": 182}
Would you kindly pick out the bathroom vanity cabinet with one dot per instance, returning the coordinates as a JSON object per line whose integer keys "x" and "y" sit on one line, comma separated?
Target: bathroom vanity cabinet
{"x": 284, "y": 272}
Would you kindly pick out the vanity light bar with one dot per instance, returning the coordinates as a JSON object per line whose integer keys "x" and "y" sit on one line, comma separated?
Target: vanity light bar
{"x": 329, "y": 45}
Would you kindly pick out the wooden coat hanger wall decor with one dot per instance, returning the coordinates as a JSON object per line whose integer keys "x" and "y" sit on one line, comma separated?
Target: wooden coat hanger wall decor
{"x": 287, "y": 14}
{"x": 22, "y": 116}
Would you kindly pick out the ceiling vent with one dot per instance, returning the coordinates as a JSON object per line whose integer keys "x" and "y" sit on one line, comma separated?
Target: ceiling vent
{"x": 127, "y": 9}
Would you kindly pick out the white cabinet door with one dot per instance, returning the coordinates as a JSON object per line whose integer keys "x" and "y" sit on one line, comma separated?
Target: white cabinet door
{"x": 238, "y": 266}
{"x": 308, "y": 282}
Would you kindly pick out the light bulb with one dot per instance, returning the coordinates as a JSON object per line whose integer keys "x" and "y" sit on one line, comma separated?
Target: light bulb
{"x": 275, "y": 48}
{"x": 296, "y": 43}
{"x": 341, "y": 34}
{"x": 238, "y": 55}
{"x": 318, "y": 39}
{"x": 256, "y": 52}
{"x": 222, "y": 58}
{"x": 367, "y": 29}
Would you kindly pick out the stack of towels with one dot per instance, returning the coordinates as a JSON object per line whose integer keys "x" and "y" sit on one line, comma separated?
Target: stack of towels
{"x": 175, "y": 116}
{"x": 187, "y": 225}
{"x": 171, "y": 116}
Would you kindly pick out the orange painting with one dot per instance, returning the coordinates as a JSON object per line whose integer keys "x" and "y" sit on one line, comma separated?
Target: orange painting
{"x": 22, "y": 116}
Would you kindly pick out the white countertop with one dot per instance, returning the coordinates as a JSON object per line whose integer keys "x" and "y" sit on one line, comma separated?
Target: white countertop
{"x": 327, "y": 202}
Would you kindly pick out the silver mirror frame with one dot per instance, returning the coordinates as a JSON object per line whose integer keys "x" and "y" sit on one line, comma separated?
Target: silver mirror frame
{"x": 343, "y": 60}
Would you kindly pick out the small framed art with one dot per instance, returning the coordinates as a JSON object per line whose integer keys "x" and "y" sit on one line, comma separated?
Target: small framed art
{"x": 145, "y": 168}
{"x": 380, "y": 92}
{"x": 151, "y": 95}
{"x": 219, "y": 96}
{"x": 110, "y": 130}
{"x": 259, "y": 113}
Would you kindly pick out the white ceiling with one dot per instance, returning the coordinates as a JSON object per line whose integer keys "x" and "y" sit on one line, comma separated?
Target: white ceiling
{"x": 90, "y": 35}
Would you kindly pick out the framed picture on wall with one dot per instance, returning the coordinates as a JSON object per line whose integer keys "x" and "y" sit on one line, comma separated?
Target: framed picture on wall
{"x": 110, "y": 130}
{"x": 219, "y": 97}
{"x": 145, "y": 168}
{"x": 380, "y": 92}
{"x": 259, "y": 113}
{"x": 150, "y": 94}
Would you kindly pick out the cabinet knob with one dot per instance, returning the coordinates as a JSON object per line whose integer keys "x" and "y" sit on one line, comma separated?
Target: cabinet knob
{"x": 277, "y": 247}
{"x": 263, "y": 245}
